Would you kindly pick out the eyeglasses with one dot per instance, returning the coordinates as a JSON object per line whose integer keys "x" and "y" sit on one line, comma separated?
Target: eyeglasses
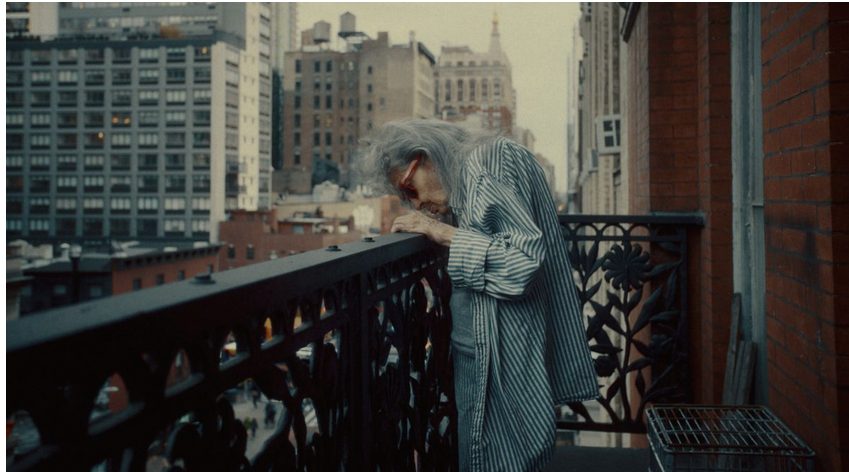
{"x": 408, "y": 192}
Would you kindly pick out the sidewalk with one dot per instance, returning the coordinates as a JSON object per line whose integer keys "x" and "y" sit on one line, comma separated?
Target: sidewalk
{"x": 245, "y": 409}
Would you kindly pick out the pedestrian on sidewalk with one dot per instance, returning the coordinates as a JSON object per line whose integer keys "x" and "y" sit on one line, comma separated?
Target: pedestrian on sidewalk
{"x": 270, "y": 413}
{"x": 518, "y": 340}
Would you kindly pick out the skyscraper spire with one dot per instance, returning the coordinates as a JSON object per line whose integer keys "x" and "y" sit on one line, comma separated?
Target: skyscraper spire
{"x": 495, "y": 37}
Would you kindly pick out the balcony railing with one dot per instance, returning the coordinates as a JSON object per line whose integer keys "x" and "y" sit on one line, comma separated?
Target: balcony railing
{"x": 359, "y": 337}
{"x": 353, "y": 342}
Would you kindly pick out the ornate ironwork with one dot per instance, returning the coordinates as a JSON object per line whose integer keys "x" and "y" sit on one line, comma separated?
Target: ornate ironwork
{"x": 631, "y": 273}
{"x": 360, "y": 337}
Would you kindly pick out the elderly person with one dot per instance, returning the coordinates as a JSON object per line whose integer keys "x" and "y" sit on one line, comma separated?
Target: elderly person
{"x": 518, "y": 341}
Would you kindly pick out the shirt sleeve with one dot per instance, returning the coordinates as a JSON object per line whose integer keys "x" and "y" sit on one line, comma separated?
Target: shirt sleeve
{"x": 503, "y": 248}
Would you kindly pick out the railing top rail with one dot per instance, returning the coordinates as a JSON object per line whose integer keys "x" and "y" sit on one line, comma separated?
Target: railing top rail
{"x": 694, "y": 219}
{"x": 257, "y": 287}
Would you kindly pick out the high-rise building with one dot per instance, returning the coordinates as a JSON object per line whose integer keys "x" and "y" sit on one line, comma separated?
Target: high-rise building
{"x": 151, "y": 124}
{"x": 600, "y": 179}
{"x": 32, "y": 19}
{"x": 333, "y": 98}
{"x": 477, "y": 86}
{"x": 284, "y": 28}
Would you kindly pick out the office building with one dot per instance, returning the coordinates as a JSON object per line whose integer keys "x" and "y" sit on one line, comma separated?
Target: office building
{"x": 153, "y": 124}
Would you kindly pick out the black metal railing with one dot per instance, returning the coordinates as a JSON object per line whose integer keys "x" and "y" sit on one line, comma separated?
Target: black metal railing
{"x": 632, "y": 277}
{"x": 354, "y": 344}
{"x": 358, "y": 354}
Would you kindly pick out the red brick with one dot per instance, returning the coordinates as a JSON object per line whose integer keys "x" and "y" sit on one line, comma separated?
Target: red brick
{"x": 817, "y": 188}
{"x": 790, "y": 137}
{"x": 822, "y": 100}
{"x": 813, "y": 18}
{"x": 815, "y": 133}
{"x": 814, "y": 73}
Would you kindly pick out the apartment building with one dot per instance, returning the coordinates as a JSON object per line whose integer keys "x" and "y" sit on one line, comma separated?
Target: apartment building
{"x": 334, "y": 98}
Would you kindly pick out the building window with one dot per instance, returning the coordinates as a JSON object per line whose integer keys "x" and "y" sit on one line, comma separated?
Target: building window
{"x": 484, "y": 88}
{"x": 175, "y": 205}
{"x": 121, "y": 140}
{"x": 39, "y": 162}
{"x": 66, "y": 227}
{"x": 68, "y": 77}
{"x": 119, "y": 162}
{"x": 148, "y": 227}
{"x": 149, "y": 97}
{"x": 65, "y": 205}
{"x": 174, "y": 227}
{"x": 181, "y": 275}
{"x": 297, "y": 66}
{"x": 201, "y": 96}
{"x": 119, "y": 227}
{"x": 120, "y": 205}
{"x": 175, "y": 162}
{"x": 447, "y": 90}
{"x": 148, "y": 204}
{"x": 472, "y": 91}
{"x": 122, "y": 119}
{"x": 93, "y": 205}
{"x": 67, "y": 184}
{"x": 175, "y": 54}
{"x": 175, "y": 183}
{"x": 175, "y": 140}
{"x": 148, "y": 183}
{"x": 93, "y": 162}
{"x": 149, "y": 118}
{"x": 122, "y": 77}
{"x": 160, "y": 279}
{"x": 95, "y": 77}
{"x": 175, "y": 97}
{"x": 120, "y": 183}
{"x": 93, "y": 183}
{"x": 201, "y": 117}
{"x": 176, "y": 76}
{"x": 175, "y": 118}
{"x": 200, "y": 183}
{"x": 137, "y": 284}
{"x": 148, "y": 76}
{"x": 93, "y": 227}
{"x": 200, "y": 160}
{"x": 249, "y": 252}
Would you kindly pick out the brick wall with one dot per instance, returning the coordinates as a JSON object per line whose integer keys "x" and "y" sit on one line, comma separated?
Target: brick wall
{"x": 713, "y": 144}
{"x": 805, "y": 53}
{"x": 679, "y": 76}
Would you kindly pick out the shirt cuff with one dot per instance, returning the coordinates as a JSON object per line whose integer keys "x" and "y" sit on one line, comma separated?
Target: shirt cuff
{"x": 467, "y": 259}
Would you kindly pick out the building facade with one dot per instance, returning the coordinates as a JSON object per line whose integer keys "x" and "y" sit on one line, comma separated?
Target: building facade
{"x": 738, "y": 112}
{"x": 599, "y": 182}
{"x": 477, "y": 86}
{"x": 144, "y": 131}
{"x": 333, "y": 98}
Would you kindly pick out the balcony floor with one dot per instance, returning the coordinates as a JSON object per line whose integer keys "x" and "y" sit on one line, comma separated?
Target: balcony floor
{"x": 598, "y": 459}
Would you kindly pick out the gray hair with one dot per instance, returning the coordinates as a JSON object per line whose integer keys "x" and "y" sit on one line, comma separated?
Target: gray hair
{"x": 394, "y": 145}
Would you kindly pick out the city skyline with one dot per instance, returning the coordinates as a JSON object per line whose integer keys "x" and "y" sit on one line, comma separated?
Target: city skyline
{"x": 539, "y": 75}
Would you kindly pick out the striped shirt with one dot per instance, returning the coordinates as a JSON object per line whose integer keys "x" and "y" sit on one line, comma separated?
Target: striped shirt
{"x": 530, "y": 345}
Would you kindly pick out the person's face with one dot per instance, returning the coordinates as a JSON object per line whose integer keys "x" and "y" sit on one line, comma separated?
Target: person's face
{"x": 419, "y": 184}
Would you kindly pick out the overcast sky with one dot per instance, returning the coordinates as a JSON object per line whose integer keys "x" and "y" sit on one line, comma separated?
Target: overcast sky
{"x": 537, "y": 38}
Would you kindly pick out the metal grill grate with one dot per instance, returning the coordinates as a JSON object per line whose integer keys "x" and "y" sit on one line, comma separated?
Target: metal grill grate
{"x": 725, "y": 438}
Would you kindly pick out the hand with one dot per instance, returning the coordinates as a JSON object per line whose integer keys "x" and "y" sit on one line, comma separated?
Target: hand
{"x": 416, "y": 222}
